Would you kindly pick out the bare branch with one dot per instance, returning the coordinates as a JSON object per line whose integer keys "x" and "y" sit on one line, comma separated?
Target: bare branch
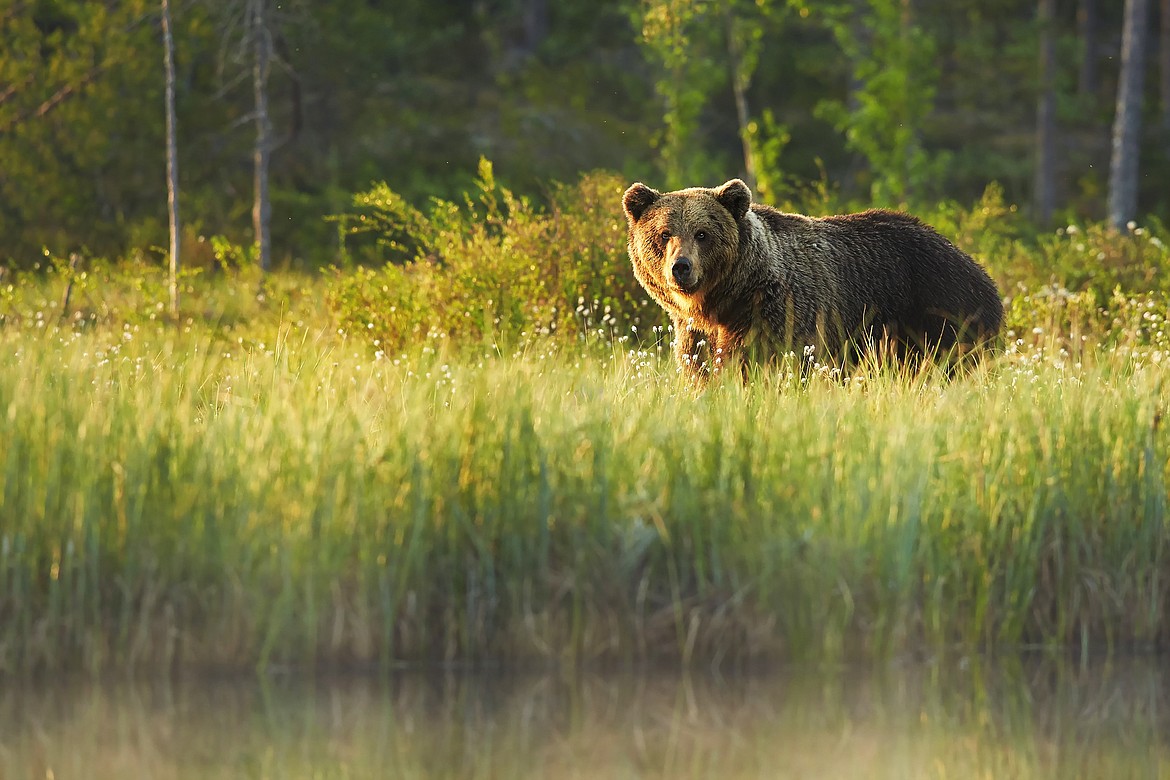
{"x": 65, "y": 91}
{"x": 14, "y": 89}
{"x": 220, "y": 93}
{"x": 54, "y": 100}
{"x": 234, "y": 45}
{"x": 240, "y": 121}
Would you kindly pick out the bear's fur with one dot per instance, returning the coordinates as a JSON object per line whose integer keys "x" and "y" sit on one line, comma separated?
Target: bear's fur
{"x": 733, "y": 274}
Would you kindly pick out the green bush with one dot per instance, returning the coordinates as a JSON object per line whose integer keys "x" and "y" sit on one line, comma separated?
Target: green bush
{"x": 1053, "y": 316}
{"x": 1099, "y": 259}
{"x": 495, "y": 268}
{"x": 992, "y": 231}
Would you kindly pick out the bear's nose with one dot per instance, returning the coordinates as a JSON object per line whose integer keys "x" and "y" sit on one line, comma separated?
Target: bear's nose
{"x": 682, "y": 269}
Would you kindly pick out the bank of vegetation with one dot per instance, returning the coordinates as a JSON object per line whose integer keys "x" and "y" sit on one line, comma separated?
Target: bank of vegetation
{"x": 481, "y": 453}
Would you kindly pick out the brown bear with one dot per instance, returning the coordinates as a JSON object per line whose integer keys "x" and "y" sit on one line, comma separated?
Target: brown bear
{"x": 733, "y": 274}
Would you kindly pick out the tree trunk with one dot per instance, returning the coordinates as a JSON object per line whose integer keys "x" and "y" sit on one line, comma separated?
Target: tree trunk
{"x": 1164, "y": 64}
{"x": 740, "y": 81}
{"x": 1045, "y": 186}
{"x": 74, "y": 264}
{"x": 1123, "y": 164}
{"x": 1087, "y": 29}
{"x": 534, "y": 15}
{"x": 261, "y": 207}
{"x": 914, "y": 141}
{"x": 172, "y": 155}
{"x": 861, "y": 32}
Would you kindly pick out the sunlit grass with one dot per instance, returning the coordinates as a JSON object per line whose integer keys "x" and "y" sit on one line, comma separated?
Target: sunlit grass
{"x": 182, "y": 496}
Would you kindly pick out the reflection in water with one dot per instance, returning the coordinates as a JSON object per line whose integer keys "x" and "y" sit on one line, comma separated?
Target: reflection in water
{"x": 1021, "y": 719}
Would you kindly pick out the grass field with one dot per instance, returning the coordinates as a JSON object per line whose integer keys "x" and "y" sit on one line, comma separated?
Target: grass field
{"x": 264, "y": 490}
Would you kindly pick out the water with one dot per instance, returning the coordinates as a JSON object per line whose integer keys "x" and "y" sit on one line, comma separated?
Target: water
{"x": 1025, "y": 719}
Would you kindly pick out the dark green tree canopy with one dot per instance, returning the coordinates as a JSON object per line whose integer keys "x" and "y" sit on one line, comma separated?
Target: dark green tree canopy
{"x": 885, "y": 101}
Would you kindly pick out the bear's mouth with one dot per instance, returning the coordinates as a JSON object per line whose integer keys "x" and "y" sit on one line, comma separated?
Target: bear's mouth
{"x": 687, "y": 286}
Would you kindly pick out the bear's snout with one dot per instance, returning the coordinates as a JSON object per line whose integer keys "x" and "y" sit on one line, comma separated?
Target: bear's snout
{"x": 683, "y": 272}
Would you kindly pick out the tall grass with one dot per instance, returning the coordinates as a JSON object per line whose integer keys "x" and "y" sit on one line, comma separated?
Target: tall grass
{"x": 170, "y": 499}
{"x": 365, "y": 467}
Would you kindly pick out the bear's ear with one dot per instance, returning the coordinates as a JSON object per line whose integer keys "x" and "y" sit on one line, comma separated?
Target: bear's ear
{"x": 637, "y": 199}
{"x": 735, "y": 197}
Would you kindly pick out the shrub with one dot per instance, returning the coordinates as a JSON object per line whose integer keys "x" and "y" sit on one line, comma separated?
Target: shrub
{"x": 1054, "y": 317}
{"x": 1100, "y": 259}
{"x": 496, "y": 267}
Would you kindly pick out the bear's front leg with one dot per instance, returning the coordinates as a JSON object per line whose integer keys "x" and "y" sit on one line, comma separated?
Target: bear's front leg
{"x": 689, "y": 348}
{"x": 727, "y": 354}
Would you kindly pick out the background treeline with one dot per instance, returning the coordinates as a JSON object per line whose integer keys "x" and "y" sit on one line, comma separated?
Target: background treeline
{"x": 883, "y": 101}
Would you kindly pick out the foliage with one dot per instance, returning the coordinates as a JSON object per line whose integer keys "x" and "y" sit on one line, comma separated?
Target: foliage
{"x": 1098, "y": 258}
{"x": 678, "y": 35}
{"x": 768, "y": 140}
{"x": 935, "y": 102}
{"x": 499, "y": 270}
{"x": 67, "y": 176}
{"x": 894, "y": 76}
{"x": 494, "y": 268}
{"x": 1077, "y": 324}
{"x": 410, "y": 472}
{"x": 228, "y": 304}
{"x": 994, "y": 231}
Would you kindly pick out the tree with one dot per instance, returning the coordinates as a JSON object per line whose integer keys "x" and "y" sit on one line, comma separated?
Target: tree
{"x": 1087, "y": 23}
{"x": 1164, "y": 63}
{"x": 1044, "y": 196}
{"x": 172, "y": 155}
{"x": 251, "y": 28}
{"x": 688, "y": 78}
{"x": 895, "y": 77}
{"x": 682, "y": 37}
{"x": 261, "y": 42}
{"x": 743, "y": 52}
{"x": 745, "y": 22}
{"x": 534, "y": 15}
{"x": 1123, "y": 163}
{"x": 748, "y": 22}
{"x": 77, "y": 115}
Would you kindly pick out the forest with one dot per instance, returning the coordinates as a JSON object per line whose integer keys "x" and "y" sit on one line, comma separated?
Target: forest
{"x": 879, "y": 102}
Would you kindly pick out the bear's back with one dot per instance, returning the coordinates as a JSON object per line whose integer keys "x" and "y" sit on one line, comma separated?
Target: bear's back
{"x": 946, "y": 289}
{"x": 884, "y": 268}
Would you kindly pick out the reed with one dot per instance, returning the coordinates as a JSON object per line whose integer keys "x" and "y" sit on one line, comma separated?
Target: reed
{"x": 175, "y": 499}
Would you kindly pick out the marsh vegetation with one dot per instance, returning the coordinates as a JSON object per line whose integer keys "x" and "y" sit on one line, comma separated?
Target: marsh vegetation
{"x": 289, "y": 475}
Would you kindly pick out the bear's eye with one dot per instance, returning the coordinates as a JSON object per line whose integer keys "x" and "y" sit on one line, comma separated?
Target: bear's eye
{"x": 701, "y": 235}
{"x": 665, "y": 236}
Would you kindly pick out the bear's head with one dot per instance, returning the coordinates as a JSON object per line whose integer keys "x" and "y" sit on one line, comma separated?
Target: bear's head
{"x": 681, "y": 243}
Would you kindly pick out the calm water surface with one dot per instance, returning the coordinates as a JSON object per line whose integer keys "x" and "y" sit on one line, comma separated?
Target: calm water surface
{"x": 980, "y": 720}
